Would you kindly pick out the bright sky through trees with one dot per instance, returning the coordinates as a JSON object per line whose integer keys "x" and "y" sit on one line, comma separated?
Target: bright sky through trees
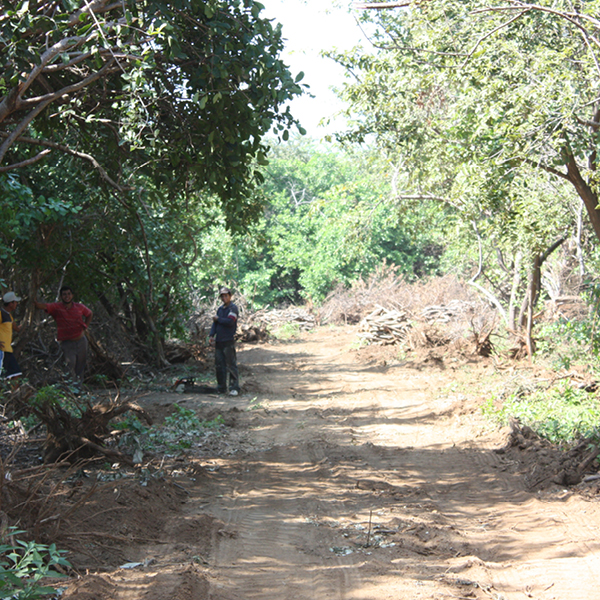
{"x": 310, "y": 27}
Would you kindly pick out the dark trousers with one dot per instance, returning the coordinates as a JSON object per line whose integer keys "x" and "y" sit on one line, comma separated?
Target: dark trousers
{"x": 226, "y": 362}
{"x": 75, "y": 352}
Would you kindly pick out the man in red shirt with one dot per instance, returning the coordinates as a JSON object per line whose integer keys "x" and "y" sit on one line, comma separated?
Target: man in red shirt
{"x": 72, "y": 319}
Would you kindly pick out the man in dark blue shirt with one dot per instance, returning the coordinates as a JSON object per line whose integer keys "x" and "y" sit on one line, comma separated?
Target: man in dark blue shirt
{"x": 222, "y": 333}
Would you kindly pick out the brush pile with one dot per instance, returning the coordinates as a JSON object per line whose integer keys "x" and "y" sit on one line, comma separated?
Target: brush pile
{"x": 383, "y": 326}
{"x": 275, "y": 318}
{"x": 446, "y": 312}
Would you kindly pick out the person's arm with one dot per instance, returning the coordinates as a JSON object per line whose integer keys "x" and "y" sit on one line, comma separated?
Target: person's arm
{"x": 87, "y": 319}
{"x": 40, "y": 305}
{"x": 16, "y": 328}
{"x": 229, "y": 320}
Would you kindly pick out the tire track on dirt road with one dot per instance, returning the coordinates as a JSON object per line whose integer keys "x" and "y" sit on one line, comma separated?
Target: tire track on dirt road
{"x": 355, "y": 451}
{"x": 340, "y": 479}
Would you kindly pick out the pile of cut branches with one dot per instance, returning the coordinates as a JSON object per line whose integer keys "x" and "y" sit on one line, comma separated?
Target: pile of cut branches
{"x": 384, "y": 326}
{"x": 274, "y": 318}
{"x": 445, "y": 313}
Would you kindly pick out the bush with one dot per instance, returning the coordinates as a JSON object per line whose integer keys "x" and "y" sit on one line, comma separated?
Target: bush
{"x": 562, "y": 414}
{"x": 568, "y": 342}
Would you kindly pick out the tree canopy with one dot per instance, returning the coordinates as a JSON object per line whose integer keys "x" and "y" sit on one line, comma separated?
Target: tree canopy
{"x": 181, "y": 92}
{"x": 472, "y": 92}
{"x": 126, "y": 130}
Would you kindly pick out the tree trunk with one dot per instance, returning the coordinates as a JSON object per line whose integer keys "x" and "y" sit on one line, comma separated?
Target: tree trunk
{"x": 512, "y": 306}
{"x": 589, "y": 197}
{"x": 161, "y": 359}
{"x": 532, "y": 295}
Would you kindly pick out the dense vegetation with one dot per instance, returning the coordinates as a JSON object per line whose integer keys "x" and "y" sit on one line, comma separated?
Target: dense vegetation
{"x": 147, "y": 156}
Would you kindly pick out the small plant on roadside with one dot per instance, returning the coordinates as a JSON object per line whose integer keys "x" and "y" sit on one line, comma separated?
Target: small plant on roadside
{"x": 133, "y": 433}
{"x": 569, "y": 342}
{"x": 255, "y": 404}
{"x": 287, "y": 331}
{"x": 30, "y": 422}
{"x": 99, "y": 379}
{"x": 181, "y": 429}
{"x": 53, "y": 396}
{"x": 562, "y": 414}
{"x": 131, "y": 423}
{"x": 23, "y": 565}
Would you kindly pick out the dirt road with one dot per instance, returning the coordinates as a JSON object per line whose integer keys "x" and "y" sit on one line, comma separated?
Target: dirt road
{"x": 348, "y": 477}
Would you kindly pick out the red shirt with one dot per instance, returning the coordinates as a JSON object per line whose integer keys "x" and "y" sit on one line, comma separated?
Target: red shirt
{"x": 69, "y": 321}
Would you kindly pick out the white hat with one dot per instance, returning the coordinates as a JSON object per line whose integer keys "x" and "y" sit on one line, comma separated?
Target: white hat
{"x": 10, "y": 297}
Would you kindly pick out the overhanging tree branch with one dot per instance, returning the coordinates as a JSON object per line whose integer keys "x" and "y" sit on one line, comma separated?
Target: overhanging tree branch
{"x": 26, "y": 163}
{"x": 380, "y": 5}
{"x": 82, "y": 155}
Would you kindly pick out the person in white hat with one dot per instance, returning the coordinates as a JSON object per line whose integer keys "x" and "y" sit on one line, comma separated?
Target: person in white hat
{"x": 9, "y": 367}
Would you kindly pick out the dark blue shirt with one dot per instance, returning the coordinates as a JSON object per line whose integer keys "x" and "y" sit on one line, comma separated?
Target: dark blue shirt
{"x": 226, "y": 325}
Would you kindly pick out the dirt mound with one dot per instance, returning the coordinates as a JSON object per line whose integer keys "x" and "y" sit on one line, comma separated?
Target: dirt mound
{"x": 544, "y": 465}
{"x": 117, "y": 518}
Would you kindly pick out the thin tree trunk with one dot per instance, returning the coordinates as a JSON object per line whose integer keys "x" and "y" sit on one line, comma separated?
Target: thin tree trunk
{"x": 512, "y": 305}
{"x": 158, "y": 346}
{"x": 532, "y": 295}
{"x": 578, "y": 239}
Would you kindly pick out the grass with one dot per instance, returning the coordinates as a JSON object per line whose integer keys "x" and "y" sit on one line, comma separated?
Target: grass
{"x": 562, "y": 414}
{"x": 287, "y": 331}
{"x": 565, "y": 344}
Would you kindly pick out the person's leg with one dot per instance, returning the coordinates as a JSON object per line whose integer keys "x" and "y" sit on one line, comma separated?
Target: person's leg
{"x": 81, "y": 358}
{"x": 10, "y": 366}
{"x": 230, "y": 356}
{"x": 69, "y": 349}
{"x": 221, "y": 369}
{"x": 2, "y": 364}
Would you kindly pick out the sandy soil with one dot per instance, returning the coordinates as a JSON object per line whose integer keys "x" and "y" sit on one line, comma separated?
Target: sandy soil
{"x": 347, "y": 475}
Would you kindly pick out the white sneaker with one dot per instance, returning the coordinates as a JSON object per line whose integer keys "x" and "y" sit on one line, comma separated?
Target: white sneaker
{"x": 233, "y": 393}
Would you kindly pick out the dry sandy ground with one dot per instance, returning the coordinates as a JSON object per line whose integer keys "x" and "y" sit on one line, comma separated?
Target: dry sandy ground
{"x": 346, "y": 477}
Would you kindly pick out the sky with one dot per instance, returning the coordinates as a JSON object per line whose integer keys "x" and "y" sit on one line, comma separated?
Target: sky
{"x": 310, "y": 26}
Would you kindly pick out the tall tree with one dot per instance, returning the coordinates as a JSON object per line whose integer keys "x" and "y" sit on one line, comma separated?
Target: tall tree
{"x": 125, "y": 129}
{"x": 329, "y": 222}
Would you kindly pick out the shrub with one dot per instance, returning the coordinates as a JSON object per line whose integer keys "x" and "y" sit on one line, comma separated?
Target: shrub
{"x": 24, "y": 564}
{"x": 562, "y": 414}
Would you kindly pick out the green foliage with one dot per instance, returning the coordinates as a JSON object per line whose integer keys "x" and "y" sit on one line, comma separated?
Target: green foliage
{"x": 568, "y": 342}
{"x": 179, "y": 432}
{"x": 331, "y": 219}
{"x": 24, "y": 565}
{"x": 183, "y": 427}
{"x": 489, "y": 112}
{"x": 154, "y": 137}
{"x": 53, "y": 396}
{"x": 562, "y": 414}
{"x": 287, "y": 331}
{"x": 131, "y": 423}
{"x": 179, "y": 94}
